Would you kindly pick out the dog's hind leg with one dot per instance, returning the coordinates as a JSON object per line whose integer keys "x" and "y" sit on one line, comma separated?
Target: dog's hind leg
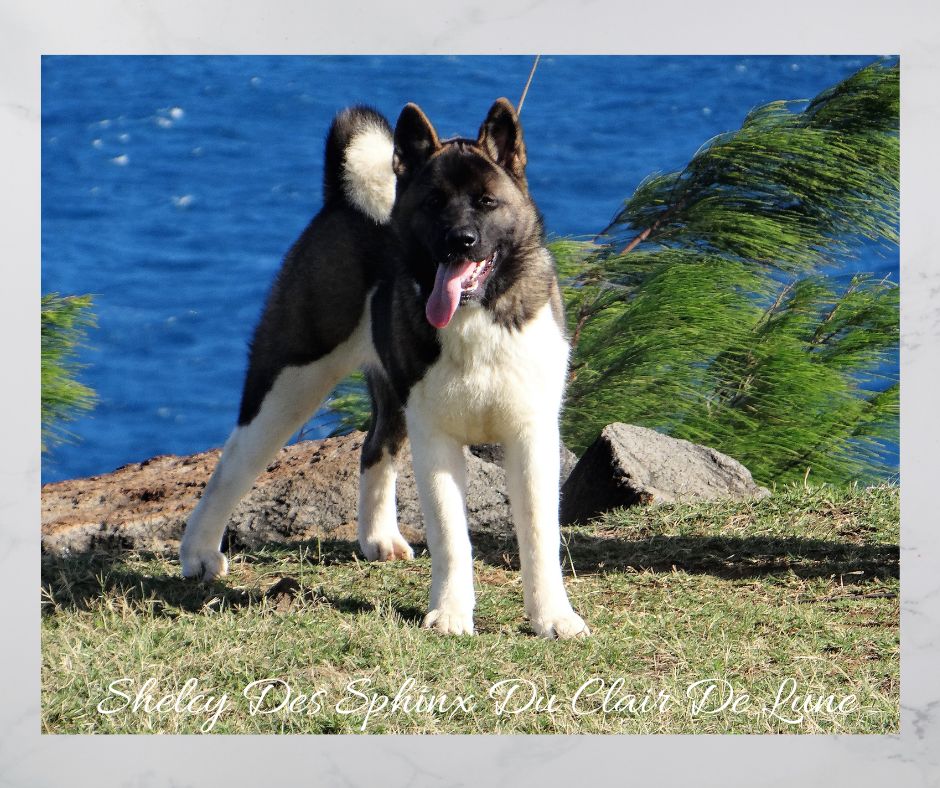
{"x": 379, "y": 537}
{"x": 296, "y": 393}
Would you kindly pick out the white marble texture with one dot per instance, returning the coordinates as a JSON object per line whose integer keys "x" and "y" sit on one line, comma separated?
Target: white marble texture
{"x": 29, "y": 28}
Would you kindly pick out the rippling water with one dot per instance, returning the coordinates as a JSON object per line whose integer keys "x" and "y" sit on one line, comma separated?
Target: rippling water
{"x": 172, "y": 186}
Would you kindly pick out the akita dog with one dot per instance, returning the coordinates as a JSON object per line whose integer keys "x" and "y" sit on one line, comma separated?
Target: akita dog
{"x": 427, "y": 269}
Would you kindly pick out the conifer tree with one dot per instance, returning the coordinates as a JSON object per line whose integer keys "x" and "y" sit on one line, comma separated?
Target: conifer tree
{"x": 713, "y": 308}
{"x": 64, "y": 320}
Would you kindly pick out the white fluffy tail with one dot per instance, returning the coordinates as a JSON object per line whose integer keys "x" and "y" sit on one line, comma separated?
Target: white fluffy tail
{"x": 359, "y": 163}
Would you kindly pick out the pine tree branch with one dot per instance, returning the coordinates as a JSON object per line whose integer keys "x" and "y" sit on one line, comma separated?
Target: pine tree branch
{"x": 818, "y": 338}
{"x": 64, "y": 321}
{"x": 649, "y": 231}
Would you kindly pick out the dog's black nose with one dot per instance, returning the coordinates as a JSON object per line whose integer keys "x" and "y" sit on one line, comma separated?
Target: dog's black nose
{"x": 460, "y": 239}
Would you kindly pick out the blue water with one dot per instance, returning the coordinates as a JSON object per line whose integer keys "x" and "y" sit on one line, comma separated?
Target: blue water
{"x": 172, "y": 186}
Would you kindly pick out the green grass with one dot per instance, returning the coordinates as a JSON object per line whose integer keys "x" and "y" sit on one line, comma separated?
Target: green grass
{"x": 802, "y": 586}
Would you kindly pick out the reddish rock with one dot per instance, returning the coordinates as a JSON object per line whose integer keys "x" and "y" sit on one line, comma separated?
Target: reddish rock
{"x": 309, "y": 491}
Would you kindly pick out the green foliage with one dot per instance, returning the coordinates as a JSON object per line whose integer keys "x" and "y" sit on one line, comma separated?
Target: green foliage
{"x": 704, "y": 310}
{"x": 350, "y": 402}
{"x": 789, "y": 189}
{"x": 64, "y": 322}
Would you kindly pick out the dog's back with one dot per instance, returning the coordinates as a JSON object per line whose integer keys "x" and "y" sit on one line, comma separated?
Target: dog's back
{"x": 319, "y": 294}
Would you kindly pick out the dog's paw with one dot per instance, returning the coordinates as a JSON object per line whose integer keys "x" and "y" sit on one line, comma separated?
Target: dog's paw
{"x": 566, "y": 624}
{"x": 205, "y": 565}
{"x": 449, "y": 622}
{"x": 390, "y": 547}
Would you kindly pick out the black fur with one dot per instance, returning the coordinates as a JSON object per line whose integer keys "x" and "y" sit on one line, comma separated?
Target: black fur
{"x": 387, "y": 432}
{"x": 315, "y": 303}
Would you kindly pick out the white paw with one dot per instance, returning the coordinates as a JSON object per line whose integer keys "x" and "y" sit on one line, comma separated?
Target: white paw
{"x": 563, "y": 625}
{"x": 205, "y": 564}
{"x": 388, "y": 547}
{"x": 449, "y": 622}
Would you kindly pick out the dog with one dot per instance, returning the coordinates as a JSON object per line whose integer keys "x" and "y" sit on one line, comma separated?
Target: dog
{"x": 427, "y": 269}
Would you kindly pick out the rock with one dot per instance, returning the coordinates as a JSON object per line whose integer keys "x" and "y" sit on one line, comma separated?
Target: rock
{"x": 629, "y": 465}
{"x": 490, "y": 452}
{"x": 493, "y": 452}
{"x": 285, "y": 593}
{"x": 309, "y": 491}
{"x": 568, "y": 462}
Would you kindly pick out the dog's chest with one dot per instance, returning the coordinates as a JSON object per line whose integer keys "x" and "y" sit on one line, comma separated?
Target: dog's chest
{"x": 490, "y": 381}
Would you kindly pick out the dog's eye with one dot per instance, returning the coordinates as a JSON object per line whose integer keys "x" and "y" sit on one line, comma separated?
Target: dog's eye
{"x": 486, "y": 201}
{"x": 434, "y": 200}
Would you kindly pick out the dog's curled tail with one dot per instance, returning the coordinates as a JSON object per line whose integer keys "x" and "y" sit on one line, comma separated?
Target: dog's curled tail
{"x": 358, "y": 166}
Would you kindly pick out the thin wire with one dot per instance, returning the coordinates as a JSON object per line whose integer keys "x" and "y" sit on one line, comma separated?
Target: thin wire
{"x": 528, "y": 82}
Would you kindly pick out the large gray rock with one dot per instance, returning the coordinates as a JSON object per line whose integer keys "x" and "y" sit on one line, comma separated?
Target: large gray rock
{"x": 311, "y": 490}
{"x": 629, "y": 465}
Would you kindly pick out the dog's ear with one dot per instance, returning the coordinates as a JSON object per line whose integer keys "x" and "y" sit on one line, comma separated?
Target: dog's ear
{"x": 415, "y": 141}
{"x": 501, "y": 137}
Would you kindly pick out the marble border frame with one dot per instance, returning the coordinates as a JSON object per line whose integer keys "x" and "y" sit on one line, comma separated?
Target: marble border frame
{"x": 295, "y": 27}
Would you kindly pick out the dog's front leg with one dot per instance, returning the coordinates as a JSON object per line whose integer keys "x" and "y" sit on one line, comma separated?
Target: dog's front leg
{"x": 379, "y": 537}
{"x": 532, "y": 468}
{"x": 441, "y": 478}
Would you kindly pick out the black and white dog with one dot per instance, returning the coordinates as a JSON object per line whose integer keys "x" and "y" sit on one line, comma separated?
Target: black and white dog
{"x": 426, "y": 268}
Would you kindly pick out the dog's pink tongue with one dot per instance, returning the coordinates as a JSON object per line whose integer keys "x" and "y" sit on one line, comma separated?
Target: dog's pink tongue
{"x": 445, "y": 297}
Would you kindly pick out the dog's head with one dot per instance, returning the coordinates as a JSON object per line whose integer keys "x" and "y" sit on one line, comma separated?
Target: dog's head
{"x": 462, "y": 208}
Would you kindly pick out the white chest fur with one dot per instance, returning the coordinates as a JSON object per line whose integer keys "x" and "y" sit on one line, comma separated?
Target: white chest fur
{"x": 489, "y": 382}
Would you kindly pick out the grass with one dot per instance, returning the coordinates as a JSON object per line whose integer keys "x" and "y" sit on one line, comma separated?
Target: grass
{"x": 796, "y": 592}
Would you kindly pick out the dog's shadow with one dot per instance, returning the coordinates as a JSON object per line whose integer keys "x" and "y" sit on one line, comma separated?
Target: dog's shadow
{"x": 81, "y": 582}
{"x": 78, "y": 582}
